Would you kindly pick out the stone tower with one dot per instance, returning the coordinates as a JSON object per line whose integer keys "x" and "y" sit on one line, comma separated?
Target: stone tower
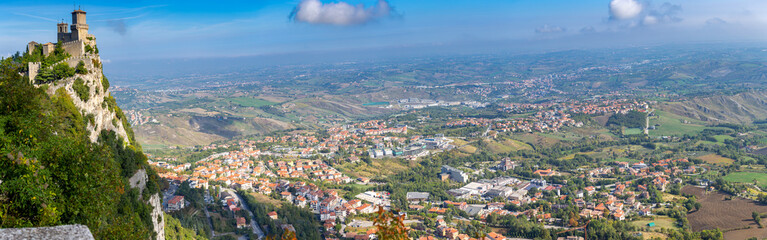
{"x": 63, "y": 32}
{"x": 79, "y": 26}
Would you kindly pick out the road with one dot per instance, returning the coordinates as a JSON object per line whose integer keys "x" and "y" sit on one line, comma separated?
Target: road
{"x": 253, "y": 224}
{"x": 168, "y": 194}
{"x": 487, "y": 131}
{"x": 207, "y": 215}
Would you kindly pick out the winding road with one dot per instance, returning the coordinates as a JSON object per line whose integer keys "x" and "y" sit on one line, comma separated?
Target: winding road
{"x": 256, "y": 229}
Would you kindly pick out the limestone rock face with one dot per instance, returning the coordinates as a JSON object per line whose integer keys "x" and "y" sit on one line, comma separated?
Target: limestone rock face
{"x": 104, "y": 115}
{"x": 63, "y": 232}
{"x": 138, "y": 180}
{"x": 96, "y": 105}
{"x": 158, "y": 219}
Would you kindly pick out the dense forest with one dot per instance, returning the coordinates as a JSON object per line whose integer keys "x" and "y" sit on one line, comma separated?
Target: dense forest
{"x": 632, "y": 119}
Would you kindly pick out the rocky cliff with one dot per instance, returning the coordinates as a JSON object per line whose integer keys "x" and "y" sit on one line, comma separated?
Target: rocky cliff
{"x": 97, "y": 103}
{"x": 103, "y": 114}
{"x": 68, "y": 155}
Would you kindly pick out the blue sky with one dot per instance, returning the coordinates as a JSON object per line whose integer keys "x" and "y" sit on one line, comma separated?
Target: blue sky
{"x": 142, "y": 29}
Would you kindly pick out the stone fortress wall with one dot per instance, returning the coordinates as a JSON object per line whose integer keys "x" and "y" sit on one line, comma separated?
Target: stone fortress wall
{"x": 74, "y": 48}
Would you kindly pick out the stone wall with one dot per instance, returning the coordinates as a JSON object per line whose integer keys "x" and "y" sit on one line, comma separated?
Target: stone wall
{"x": 31, "y": 46}
{"x": 48, "y": 48}
{"x": 74, "y": 48}
{"x": 49, "y": 233}
{"x": 34, "y": 67}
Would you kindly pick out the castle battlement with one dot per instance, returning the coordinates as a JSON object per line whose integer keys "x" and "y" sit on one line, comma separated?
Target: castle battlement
{"x": 74, "y": 48}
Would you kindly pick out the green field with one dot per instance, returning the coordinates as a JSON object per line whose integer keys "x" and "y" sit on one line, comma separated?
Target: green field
{"x": 632, "y": 131}
{"x": 506, "y": 146}
{"x": 660, "y": 222}
{"x": 722, "y": 138}
{"x": 672, "y": 124}
{"x": 748, "y": 177}
{"x": 251, "y": 102}
{"x": 375, "y": 103}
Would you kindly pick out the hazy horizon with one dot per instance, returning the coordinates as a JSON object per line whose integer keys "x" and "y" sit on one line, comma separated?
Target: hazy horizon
{"x": 135, "y": 30}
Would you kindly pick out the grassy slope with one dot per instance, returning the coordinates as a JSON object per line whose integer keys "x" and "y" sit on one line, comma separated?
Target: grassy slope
{"x": 672, "y": 124}
{"x": 747, "y": 177}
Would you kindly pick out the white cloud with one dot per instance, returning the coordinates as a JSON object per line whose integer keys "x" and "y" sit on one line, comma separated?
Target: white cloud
{"x": 666, "y": 13}
{"x": 625, "y": 9}
{"x": 650, "y": 20}
{"x": 339, "y": 13}
{"x": 635, "y": 13}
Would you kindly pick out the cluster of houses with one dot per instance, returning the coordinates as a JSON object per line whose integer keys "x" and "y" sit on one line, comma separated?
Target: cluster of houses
{"x": 542, "y": 121}
{"x": 327, "y": 203}
{"x": 136, "y": 118}
{"x": 308, "y": 169}
{"x": 587, "y": 107}
{"x": 237, "y": 170}
{"x": 415, "y": 103}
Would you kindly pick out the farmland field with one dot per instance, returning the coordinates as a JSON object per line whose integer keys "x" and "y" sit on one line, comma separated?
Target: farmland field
{"x": 251, "y": 102}
{"x": 716, "y": 159}
{"x": 660, "y": 222}
{"x": 672, "y": 124}
{"x": 375, "y": 103}
{"x": 747, "y": 177}
{"x": 632, "y": 131}
{"x": 716, "y": 212}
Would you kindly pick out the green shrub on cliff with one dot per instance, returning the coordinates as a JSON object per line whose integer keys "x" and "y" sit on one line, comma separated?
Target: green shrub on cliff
{"x": 82, "y": 90}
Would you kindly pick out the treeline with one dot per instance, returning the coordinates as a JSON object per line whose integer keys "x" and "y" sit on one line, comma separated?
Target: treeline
{"x": 632, "y": 119}
{"x": 175, "y": 231}
{"x": 192, "y": 217}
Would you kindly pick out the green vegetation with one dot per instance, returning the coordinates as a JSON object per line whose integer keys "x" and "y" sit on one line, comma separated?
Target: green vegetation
{"x": 668, "y": 124}
{"x": 80, "y": 69}
{"x": 306, "y": 224}
{"x": 632, "y": 119}
{"x": 632, "y": 131}
{"x": 193, "y": 216}
{"x": 82, "y": 90}
{"x": 251, "y": 102}
{"x": 659, "y": 222}
{"x": 52, "y": 174}
{"x": 174, "y": 230}
{"x": 748, "y": 177}
{"x": 104, "y": 83}
{"x": 375, "y": 103}
{"x": 58, "y": 72}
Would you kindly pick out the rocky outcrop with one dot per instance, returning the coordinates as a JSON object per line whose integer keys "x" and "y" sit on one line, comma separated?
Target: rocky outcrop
{"x": 100, "y": 110}
{"x": 138, "y": 180}
{"x": 97, "y": 106}
{"x": 63, "y": 232}
{"x": 158, "y": 218}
